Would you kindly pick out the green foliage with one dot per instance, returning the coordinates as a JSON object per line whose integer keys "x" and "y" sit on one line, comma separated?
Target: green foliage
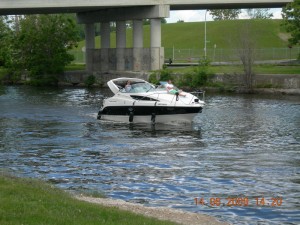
{"x": 5, "y": 41}
{"x": 198, "y": 76}
{"x": 49, "y": 80}
{"x": 160, "y": 75}
{"x": 41, "y": 45}
{"x": 165, "y": 75}
{"x": 267, "y": 85}
{"x": 225, "y": 14}
{"x": 148, "y": 21}
{"x": 259, "y": 13}
{"x": 291, "y": 22}
{"x": 3, "y": 73}
{"x": 153, "y": 78}
{"x": 90, "y": 80}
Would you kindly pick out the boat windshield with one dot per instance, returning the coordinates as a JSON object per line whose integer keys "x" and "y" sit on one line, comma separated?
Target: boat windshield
{"x": 140, "y": 87}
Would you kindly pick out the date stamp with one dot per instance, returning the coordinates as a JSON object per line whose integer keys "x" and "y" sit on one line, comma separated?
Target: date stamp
{"x": 240, "y": 201}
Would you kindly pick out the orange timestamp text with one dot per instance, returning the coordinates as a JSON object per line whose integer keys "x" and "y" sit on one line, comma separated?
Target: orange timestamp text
{"x": 240, "y": 201}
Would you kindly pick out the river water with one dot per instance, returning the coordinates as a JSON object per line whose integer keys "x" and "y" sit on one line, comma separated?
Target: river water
{"x": 242, "y": 147}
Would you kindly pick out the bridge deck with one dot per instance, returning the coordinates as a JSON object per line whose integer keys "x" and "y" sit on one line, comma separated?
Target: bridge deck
{"x": 9, "y": 7}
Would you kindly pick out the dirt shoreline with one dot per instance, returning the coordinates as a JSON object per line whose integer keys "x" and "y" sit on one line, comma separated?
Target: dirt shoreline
{"x": 161, "y": 213}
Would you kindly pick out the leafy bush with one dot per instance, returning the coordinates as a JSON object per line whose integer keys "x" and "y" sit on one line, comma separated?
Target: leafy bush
{"x": 90, "y": 80}
{"x": 153, "y": 78}
{"x": 198, "y": 77}
{"x": 160, "y": 75}
{"x": 165, "y": 74}
{"x": 43, "y": 81}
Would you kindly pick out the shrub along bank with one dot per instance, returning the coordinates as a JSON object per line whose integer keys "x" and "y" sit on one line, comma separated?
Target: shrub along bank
{"x": 231, "y": 78}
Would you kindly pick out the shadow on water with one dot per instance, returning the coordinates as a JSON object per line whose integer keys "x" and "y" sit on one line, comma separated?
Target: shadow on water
{"x": 160, "y": 130}
{"x": 2, "y": 90}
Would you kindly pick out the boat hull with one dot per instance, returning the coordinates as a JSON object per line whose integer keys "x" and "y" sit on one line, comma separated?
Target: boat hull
{"x": 142, "y": 114}
{"x": 166, "y": 119}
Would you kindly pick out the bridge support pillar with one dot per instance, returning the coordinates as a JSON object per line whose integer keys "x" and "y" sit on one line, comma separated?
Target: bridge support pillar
{"x": 138, "y": 57}
{"x": 121, "y": 44}
{"x": 138, "y": 39}
{"x": 89, "y": 46}
{"x": 105, "y": 34}
{"x": 156, "y": 52}
{"x": 105, "y": 46}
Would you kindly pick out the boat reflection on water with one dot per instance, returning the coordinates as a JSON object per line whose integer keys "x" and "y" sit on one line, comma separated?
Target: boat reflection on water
{"x": 154, "y": 130}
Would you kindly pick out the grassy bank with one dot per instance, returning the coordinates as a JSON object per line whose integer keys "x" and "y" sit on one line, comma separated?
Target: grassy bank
{"x": 258, "y": 69}
{"x": 27, "y": 201}
{"x": 269, "y": 34}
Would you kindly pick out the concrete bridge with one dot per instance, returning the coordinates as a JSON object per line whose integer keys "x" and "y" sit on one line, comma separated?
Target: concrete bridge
{"x": 104, "y": 12}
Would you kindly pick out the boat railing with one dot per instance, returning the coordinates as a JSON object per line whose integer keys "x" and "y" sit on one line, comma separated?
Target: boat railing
{"x": 198, "y": 94}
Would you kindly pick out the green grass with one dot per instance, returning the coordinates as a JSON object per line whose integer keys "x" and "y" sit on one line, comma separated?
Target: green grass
{"x": 188, "y": 40}
{"x": 27, "y": 201}
{"x": 271, "y": 69}
{"x": 258, "y": 69}
{"x": 75, "y": 67}
{"x": 269, "y": 34}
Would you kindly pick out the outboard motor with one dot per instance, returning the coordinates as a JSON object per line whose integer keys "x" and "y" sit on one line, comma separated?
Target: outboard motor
{"x": 177, "y": 96}
{"x": 99, "y": 115}
{"x": 131, "y": 114}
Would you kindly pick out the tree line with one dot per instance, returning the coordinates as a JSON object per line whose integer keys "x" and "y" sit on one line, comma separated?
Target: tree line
{"x": 37, "y": 45}
{"x": 233, "y": 14}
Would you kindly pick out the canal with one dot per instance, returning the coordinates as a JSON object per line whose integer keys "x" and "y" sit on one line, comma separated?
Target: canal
{"x": 239, "y": 161}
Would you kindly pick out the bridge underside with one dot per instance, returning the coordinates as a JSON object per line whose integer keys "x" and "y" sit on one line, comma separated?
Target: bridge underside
{"x": 122, "y": 58}
{"x": 9, "y": 7}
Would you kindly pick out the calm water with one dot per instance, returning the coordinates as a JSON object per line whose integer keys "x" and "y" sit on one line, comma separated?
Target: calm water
{"x": 240, "y": 146}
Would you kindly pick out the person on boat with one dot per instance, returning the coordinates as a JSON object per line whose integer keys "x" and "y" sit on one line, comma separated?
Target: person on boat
{"x": 172, "y": 89}
{"x": 128, "y": 86}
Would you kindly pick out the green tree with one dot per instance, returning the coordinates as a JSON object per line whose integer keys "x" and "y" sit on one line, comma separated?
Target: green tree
{"x": 246, "y": 51}
{"x": 163, "y": 20}
{"x": 5, "y": 41}
{"x": 148, "y": 21}
{"x": 259, "y": 13}
{"x": 291, "y": 21}
{"x": 225, "y": 14}
{"x": 41, "y": 45}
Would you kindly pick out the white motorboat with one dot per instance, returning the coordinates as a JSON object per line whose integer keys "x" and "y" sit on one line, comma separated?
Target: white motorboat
{"x": 146, "y": 103}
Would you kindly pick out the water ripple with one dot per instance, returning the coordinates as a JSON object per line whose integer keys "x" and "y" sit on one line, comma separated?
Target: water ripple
{"x": 240, "y": 146}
